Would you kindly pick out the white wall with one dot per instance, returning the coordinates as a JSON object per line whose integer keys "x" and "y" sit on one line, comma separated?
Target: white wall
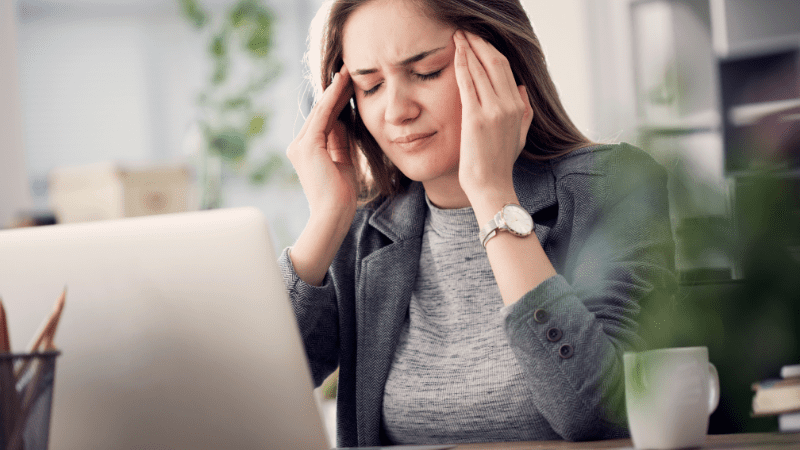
{"x": 587, "y": 46}
{"x": 561, "y": 28}
{"x": 610, "y": 69}
{"x": 85, "y": 89}
{"x": 14, "y": 191}
{"x": 117, "y": 82}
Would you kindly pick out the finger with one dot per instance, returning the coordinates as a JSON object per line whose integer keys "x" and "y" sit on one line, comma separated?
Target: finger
{"x": 466, "y": 88}
{"x": 483, "y": 85}
{"x": 333, "y": 101}
{"x": 496, "y": 66}
{"x": 343, "y": 98}
{"x": 527, "y": 117}
{"x": 309, "y": 118}
{"x": 339, "y": 144}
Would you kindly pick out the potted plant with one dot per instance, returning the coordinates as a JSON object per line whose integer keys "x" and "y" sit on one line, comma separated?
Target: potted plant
{"x": 232, "y": 118}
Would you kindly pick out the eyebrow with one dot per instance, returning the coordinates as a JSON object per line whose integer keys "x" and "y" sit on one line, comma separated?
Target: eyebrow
{"x": 416, "y": 58}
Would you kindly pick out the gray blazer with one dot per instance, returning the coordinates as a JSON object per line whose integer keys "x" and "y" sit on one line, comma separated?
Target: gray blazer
{"x": 602, "y": 217}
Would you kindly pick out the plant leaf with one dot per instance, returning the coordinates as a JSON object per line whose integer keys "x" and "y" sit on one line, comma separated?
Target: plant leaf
{"x": 256, "y": 125}
{"x": 260, "y": 42}
{"x": 267, "y": 170}
{"x": 194, "y": 13}
{"x": 229, "y": 144}
{"x": 237, "y": 103}
{"x": 265, "y": 20}
{"x": 238, "y": 14}
{"x": 218, "y": 46}
{"x": 220, "y": 72}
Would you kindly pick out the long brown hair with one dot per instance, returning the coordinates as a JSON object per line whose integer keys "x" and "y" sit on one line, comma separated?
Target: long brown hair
{"x": 505, "y": 25}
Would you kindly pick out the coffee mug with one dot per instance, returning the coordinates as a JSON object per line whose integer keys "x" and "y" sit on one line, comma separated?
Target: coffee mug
{"x": 669, "y": 395}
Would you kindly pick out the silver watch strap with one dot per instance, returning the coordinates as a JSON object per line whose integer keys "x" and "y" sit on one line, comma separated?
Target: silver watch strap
{"x": 490, "y": 229}
{"x": 488, "y": 236}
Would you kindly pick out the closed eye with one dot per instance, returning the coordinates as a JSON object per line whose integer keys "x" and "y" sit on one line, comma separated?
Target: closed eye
{"x": 428, "y": 76}
{"x": 372, "y": 91}
{"x": 420, "y": 76}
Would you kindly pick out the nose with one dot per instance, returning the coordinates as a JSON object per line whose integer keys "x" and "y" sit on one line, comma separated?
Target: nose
{"x": 401, "y": 106}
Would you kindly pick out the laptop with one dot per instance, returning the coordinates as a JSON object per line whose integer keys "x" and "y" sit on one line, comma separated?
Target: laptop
{"x": 177, "y": 333}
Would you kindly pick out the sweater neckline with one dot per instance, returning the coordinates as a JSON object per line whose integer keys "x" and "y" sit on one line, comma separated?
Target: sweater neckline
{"x": 451, "y": 222}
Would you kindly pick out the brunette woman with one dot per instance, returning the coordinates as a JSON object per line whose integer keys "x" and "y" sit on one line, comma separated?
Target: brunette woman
{"x": 472, "y": 263}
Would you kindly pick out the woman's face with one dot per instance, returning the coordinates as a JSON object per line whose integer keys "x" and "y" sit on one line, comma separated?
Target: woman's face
{"x": 401, "y": 63}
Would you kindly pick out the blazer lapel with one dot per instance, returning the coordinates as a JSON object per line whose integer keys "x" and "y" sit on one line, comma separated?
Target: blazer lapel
{"x": 385, "y": 282}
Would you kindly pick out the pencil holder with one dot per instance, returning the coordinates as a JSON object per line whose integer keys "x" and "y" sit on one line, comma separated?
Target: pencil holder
{"x": 26, "y": 394}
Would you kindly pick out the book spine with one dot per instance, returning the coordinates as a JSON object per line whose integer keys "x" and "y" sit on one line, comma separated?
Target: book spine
{"x": 788, "y": 422}
{"x": 790, "y": 371}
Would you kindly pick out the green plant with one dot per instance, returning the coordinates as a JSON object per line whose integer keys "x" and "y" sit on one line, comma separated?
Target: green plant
{"x": 748, "y": 318}
{"x": 231, "y": 113}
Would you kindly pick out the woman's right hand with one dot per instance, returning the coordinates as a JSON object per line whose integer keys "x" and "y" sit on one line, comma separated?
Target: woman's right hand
{"x": 322, "y": 156}
{"x": 324, "y": 161}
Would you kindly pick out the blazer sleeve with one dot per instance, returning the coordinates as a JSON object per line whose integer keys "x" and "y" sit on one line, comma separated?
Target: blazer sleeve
{"x": 317, "y": 318}
{"x": 569, "y": 333}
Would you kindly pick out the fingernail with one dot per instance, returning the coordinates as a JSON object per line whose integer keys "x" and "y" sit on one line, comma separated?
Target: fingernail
{"x": 335, "y": 76}
{"x": 460, "y": 34}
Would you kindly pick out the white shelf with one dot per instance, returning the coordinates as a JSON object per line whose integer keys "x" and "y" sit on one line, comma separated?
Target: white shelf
{"x": 751, "y": 114}
{"x": 746, "y": 26}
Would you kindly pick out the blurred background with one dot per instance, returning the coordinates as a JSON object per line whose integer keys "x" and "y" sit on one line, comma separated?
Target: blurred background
{"x": 115, "y": 108}
{"x": 106, "y": 90}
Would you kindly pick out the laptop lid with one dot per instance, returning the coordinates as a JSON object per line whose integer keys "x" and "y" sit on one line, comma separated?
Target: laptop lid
{"x": 177, "y": 332}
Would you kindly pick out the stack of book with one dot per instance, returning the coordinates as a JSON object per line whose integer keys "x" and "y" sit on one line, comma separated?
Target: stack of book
{"x": 780, "y": 397}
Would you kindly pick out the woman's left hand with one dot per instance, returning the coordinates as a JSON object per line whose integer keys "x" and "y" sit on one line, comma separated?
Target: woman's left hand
{"x": 495, "y": 116}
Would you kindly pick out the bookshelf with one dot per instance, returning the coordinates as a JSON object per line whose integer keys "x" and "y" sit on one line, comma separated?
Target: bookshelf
{"x": 718, "y": 96}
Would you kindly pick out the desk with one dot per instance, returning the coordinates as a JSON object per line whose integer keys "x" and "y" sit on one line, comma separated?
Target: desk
{"x": 743, "y": 441}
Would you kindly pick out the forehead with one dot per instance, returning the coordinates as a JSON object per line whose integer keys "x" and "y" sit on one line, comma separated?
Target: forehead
{"x": 388, "y": 31}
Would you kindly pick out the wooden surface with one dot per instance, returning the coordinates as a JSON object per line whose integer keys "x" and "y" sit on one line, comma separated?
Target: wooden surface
{"x": 745, "y": 441}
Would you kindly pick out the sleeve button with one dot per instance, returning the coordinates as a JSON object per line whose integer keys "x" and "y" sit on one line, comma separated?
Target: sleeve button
{"x": 565, "y": 351}
{"x": 540, "y": 316}
{"x": 554, "y": 334}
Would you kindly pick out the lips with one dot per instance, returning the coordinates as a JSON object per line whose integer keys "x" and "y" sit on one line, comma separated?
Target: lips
{"x": 411, "y": 138}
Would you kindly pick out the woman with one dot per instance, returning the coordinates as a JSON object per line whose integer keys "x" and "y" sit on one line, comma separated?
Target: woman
{"x": 446, "y": 325}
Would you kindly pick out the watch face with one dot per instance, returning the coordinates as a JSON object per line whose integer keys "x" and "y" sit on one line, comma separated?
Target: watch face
{"x": 518, "y": 220}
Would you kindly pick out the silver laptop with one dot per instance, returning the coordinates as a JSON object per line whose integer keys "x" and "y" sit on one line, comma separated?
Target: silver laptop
{"x": 177, "y": 333}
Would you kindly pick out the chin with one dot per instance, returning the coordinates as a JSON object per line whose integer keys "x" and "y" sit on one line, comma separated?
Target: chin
{"x": 428, "y": 164}
{"x": 426, "y": 174}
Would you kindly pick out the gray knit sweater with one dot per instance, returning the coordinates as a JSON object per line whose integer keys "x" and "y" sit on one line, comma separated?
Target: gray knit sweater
{"x": 454, "y": 377}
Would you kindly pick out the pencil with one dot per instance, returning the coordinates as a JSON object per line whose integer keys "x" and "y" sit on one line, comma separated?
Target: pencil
{"x": 46, "y": 333}
{"x": 5, "y": 341}
{"x": 9, "y": 398}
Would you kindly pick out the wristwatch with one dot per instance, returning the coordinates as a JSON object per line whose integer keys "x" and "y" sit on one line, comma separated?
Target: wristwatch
{"x": 512, "y": 218}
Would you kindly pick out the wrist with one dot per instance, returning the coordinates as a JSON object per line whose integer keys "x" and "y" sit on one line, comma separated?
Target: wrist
{"x": 477, "y": 184}
{"x": 335, "y": 218}
{"x": 486, "y": 203}
{"x": 317, "y": 245}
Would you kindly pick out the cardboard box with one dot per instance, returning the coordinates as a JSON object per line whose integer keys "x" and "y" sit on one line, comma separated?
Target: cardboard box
{"x": 109, "y": 191}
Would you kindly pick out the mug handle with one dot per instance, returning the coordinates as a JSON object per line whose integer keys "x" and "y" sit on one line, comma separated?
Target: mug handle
{"x": 713, "y": 382}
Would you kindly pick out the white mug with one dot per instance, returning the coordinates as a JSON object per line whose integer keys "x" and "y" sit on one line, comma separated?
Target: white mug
{"x": 669, "y": 395}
